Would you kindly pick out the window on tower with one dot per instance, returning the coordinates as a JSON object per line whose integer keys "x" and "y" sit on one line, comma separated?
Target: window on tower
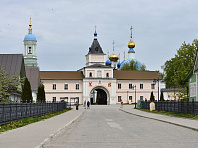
{"x": 90, "y": 74}
{"x": 30, "y": 50}
{"x": 107, "y": 75}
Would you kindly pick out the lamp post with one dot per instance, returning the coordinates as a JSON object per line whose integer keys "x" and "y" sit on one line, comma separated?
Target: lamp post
{"x": 154, "y": 82}
{"x": 134, "y": 86}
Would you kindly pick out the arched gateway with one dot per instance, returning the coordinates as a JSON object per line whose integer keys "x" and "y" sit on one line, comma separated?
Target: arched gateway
{"x": 99, "y": 95}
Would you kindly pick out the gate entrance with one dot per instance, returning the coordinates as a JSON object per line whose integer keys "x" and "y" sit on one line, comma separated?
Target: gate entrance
{"x": 98, "y": 97}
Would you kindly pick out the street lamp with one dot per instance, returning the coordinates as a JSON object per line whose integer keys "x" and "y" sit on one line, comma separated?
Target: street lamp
{"x": 154, "y": 82}
{"x": 134, "y": 86}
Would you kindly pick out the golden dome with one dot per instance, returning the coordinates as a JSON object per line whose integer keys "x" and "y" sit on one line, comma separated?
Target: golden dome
{"x": 131, "y": 44}
{"x": 113, "y": 57}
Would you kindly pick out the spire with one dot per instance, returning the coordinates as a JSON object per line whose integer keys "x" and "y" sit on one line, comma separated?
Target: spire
{"x": 124, "y": 55}
{"x": 131, "y": 44}
{"x": 95, "y": 34}
{"x": 30, "y": 27}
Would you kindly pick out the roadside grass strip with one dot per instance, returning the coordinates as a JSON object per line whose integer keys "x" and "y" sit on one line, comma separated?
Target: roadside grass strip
{"x": 29, "y": 120}
{"x": 184, "y": 115}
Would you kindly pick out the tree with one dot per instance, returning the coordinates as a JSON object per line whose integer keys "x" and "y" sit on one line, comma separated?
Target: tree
{"x": 143, "y": 67}
{"x": 133, "y": 66}
{"x": 177, "y": 68}
{"x": 152, "y": 98}
{"x": 125, "y": 67}
{"x": 8, "y": 84}
{"x": 161, "y": 74}
{"x": 161, "y": 96}
{"x": 41, "y": 94}
{"x": 26, "y": 92}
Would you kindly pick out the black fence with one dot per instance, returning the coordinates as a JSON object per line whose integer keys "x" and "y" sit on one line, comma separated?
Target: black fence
{"x": 15, "y": 111}
{"x": 173, "y": 106}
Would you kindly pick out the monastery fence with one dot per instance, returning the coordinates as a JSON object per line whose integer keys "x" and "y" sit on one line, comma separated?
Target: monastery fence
{"x": 173, "y": 106}
{"x": 15, "y": 111}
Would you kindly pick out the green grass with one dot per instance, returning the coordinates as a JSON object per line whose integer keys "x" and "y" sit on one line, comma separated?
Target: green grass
{"x": 184, "y": 115}
{"x": 29, "y": 120}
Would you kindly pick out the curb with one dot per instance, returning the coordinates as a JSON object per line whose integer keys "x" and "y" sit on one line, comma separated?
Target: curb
{"x": 194, "y": 129}
{"x": 41, "y": 145}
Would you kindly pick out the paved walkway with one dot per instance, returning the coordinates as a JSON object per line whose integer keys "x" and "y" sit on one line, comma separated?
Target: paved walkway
{"x": 37, "y": 134}
{"x": 184, "y": 122}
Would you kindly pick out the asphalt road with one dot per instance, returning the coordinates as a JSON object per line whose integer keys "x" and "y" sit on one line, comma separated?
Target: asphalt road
{"x": 106, "y": 126}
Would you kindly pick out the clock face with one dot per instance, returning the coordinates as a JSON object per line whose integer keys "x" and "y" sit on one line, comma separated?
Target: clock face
{"x": 99, "y": 73}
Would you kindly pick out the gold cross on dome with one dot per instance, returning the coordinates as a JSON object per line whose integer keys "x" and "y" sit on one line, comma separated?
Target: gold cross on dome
{"x": 131, "y": 31}
{"x": 113, "y": 45}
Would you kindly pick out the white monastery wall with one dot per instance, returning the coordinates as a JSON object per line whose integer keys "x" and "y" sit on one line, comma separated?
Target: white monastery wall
{"x": 60, "y": 90}
{"x": 143, "y": 93}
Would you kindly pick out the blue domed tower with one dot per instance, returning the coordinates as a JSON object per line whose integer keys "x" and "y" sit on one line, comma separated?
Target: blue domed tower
{"x": 30, "y": 58}
{"x": 131, "y": 54}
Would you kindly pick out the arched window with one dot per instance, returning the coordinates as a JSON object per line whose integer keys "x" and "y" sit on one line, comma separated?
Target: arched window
{"x": 90, "y": 74}
{"x": 30, "y": 50}
{"x": 107, "y": 75}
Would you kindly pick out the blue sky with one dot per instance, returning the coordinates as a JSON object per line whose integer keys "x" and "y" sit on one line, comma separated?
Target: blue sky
{"x": 64, "y": 29}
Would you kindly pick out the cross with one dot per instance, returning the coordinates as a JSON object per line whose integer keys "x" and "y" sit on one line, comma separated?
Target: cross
{"x": 95, "y": 28}
{"x": 131, "y": 31}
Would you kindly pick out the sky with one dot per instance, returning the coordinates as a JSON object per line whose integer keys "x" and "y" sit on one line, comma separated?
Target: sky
{"x": 64, "y": 29}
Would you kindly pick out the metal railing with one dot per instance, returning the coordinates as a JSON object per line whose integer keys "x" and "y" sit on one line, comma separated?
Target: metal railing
{"x": 173, "y": 106}
{"x": 15, "y": 111}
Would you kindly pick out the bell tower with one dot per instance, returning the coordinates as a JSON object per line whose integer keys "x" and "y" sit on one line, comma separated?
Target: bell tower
{"x": 30, "y": 58}
{"x": 95, "y": 54}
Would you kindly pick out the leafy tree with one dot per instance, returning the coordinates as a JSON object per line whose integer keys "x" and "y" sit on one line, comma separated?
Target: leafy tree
{"x": 125, "y": 67}
{"x": 26, "y": 92}
{"x": 177, "y": 68}
{"x": 143, "y": 67}
{"x": 8, "y": 84}
{"x": 41, "y": 94}
{"x": 161, "y": 96}
{"x": 182, "y": 93}
{"x": 133, "y": 66}
{"x": 161, "y": 74}
{"x": 152, "y": 98}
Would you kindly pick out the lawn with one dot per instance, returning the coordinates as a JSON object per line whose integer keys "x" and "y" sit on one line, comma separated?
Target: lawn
{"x": 29, "y": 120}
{"x": 184, "y": 115}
